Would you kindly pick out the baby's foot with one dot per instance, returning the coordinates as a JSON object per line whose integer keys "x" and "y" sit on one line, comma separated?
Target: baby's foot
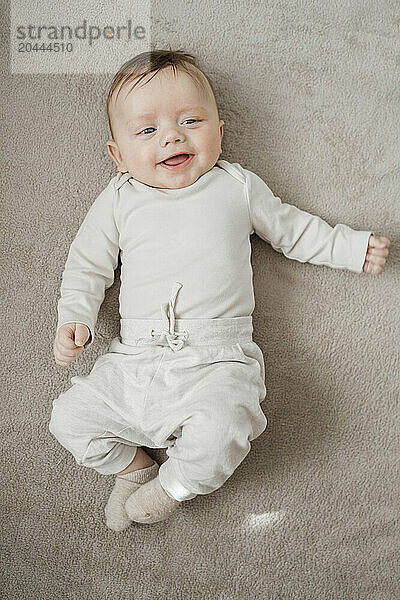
{"x": 150, "y": 503}
{"x": 125, "y": 485}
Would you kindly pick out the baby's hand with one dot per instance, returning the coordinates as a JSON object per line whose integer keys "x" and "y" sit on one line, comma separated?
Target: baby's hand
{"x": 376, "y": 253}
{"x": 69, "y": 342}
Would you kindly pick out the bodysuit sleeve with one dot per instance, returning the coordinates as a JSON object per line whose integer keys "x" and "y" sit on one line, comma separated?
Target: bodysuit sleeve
{"x": 89, "y": 269}
{"x": 300, "y": 235}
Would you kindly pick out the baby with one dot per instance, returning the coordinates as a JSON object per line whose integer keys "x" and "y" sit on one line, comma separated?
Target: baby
{"x": 185, "y": 373}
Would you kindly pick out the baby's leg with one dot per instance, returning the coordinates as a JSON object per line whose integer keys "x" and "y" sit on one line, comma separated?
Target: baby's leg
{"x": 218, "y": 413}
{"x": 225, "y": 416}
{"x": 215, "y": 440}
{"x": 221, "y": 418}
{"x": 90, "y": 421}
{"x": 92, "y": 432}
{"x": 141, "y": 461}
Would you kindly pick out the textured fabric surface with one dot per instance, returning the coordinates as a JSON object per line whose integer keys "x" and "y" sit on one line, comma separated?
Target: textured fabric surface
{"x": 309, "y": 94}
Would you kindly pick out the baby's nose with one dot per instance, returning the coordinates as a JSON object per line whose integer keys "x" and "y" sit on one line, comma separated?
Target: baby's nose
{"x": 173, "y": 136}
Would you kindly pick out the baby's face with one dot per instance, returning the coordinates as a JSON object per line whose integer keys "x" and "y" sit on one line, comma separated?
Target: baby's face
{"x": 169, "y": 115}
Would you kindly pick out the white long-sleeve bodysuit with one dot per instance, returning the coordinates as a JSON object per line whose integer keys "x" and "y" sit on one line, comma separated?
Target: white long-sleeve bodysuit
{"x": 198, "y": 235}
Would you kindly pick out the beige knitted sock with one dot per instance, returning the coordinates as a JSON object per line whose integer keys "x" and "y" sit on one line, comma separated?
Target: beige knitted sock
{"x": 125, "y": 485}
{"x": 150, "y": 503}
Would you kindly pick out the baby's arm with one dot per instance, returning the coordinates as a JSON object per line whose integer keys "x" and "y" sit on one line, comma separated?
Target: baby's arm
{"x": 300, "y": 235}
{"x": 89, "y": 269}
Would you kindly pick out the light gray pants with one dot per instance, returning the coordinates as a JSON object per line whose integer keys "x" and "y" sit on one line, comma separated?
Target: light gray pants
{"x": 193, "y": 386}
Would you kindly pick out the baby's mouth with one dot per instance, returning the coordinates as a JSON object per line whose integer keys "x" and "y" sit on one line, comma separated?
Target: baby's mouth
{"x": 177, "y": 160}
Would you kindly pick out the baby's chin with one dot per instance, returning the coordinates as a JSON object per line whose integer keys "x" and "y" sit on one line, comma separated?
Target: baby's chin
{"x": 171, "y": 181}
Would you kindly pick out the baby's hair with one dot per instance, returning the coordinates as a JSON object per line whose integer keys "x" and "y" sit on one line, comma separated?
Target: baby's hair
{"x": 142, "y": 64}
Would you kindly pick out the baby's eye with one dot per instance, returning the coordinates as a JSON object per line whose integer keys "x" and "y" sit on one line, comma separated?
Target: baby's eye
{"x": 193, "y": 120}
{"x": 147, "y": 129}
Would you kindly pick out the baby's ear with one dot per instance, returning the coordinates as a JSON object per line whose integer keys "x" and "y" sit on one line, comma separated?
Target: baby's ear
{"x": 115, "y": 154}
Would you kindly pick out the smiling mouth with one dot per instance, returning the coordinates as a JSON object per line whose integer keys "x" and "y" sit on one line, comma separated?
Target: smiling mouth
{"x": 179, "y": 160}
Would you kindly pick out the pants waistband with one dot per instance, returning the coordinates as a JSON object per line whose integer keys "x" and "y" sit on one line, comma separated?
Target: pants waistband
{"x": 177, "y": 332}
{"x": 192, "y": 332}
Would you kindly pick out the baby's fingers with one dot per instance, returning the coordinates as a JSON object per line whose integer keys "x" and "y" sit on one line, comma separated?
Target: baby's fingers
{"x": 375, "y": 258}
{"x": 64, "y": 353}
{"x": 379, "y": 242}
{"x": 378, "y": 251}
{"x": 65, "y": 359}
{"x": 372, "y": 268}
{"x": 66, "y": 344}
{"x": 386, "y": 241}
{"x": 62, "y": 363}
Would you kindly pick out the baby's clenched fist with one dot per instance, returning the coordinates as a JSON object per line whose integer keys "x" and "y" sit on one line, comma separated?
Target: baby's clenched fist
{"x": 69, "y": 342}
{"x": 377, "y": 251}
